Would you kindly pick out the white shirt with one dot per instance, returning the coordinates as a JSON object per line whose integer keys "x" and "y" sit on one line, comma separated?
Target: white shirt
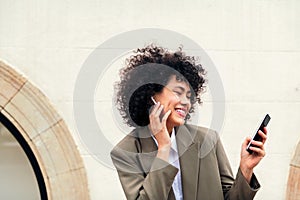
{"x": 174, "y": 160}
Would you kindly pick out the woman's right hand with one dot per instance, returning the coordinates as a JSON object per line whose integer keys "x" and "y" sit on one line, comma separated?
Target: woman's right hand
{"x": 159, "y": 130}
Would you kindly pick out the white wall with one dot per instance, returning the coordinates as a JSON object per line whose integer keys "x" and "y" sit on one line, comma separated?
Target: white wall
{"x": 254, "y": 44}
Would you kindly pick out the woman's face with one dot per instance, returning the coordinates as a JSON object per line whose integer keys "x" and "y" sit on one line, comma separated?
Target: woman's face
{"x": 175, "y": 96}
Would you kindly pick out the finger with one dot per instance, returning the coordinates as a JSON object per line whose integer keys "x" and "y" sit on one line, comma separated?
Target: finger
{"x": 263, "y": 136}
{"x": 246, "y": 142}
{"x": 155, "y": 107}
{"x": 265, "y": 130}
{"x": 258, "y": 151}
{"x": 165, "y": 117}
{"x": 258, "y": 144}
{"x": 159, "y": 111}
{"x": 156, "y": 118}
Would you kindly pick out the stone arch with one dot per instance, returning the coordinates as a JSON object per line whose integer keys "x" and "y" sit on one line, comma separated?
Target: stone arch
{"x": 293, "y": 186}
{"x": 45, "y": 132}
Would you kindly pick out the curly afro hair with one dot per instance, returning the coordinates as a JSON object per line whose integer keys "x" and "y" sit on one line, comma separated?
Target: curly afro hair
{"x": 146, "y": 73}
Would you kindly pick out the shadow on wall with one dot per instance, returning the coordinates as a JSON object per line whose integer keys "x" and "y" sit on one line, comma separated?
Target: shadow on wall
{"x": 293, "y": 187}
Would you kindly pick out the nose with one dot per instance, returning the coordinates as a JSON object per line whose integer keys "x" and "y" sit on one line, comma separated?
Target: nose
{"x": 184, "y": 100}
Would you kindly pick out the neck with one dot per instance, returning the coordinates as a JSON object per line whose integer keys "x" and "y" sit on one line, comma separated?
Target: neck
{"x": 170, "y": 129}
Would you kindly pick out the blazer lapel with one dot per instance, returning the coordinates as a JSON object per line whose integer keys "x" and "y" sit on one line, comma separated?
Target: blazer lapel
{"x": 148, "y": 152}
{"x": 148, "y": 148}
{"x": 146, "y": 140}
{"x": 188, "y": 157}
{"x": 189, "y": 161}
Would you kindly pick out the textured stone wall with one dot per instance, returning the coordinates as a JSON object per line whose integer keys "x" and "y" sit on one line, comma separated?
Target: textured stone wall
{"x": 46, "y": 133}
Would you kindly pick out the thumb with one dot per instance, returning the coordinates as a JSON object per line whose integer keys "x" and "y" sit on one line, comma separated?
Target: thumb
{"x": 246, "y": 142}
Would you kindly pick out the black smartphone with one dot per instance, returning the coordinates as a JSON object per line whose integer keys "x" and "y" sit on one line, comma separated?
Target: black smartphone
{"x": 153, "y": 102}
{"x": 162, "y": 113}
{"x": 256, "y": 136}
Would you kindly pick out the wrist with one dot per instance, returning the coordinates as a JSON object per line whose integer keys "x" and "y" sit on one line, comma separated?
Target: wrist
{"x": 164, "y": 151}
{"x": 247, "y": 172}
{"x": 163, "y": 139}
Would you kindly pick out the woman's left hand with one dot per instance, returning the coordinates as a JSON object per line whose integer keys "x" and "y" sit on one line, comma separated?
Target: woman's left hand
{"x": 249, "y": 161}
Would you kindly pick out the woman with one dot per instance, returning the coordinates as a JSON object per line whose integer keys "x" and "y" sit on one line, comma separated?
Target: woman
{"x": 164, "y": 157}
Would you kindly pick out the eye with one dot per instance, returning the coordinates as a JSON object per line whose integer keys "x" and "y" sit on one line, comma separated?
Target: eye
{"x": 189, "y": 95}
{"x": 177, "y": 93}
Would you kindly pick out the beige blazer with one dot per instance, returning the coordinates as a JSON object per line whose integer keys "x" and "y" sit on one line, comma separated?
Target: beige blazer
{"x": 205, "y": 169}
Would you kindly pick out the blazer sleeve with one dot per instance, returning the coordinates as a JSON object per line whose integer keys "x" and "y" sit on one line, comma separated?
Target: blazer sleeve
{"x": 138, "y": 184}
{"x": 238, "y": 188}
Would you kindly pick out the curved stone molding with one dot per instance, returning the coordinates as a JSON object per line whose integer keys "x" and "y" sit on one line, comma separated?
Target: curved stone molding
{"x": 293, "y": 187}
{"x": 46, "y": 133}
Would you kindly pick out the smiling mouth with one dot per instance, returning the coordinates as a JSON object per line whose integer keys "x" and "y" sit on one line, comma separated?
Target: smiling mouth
{"x": 181, "y": 112}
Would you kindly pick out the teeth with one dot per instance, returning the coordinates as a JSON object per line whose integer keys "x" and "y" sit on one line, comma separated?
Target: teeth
{"x": 180, "y": 111}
